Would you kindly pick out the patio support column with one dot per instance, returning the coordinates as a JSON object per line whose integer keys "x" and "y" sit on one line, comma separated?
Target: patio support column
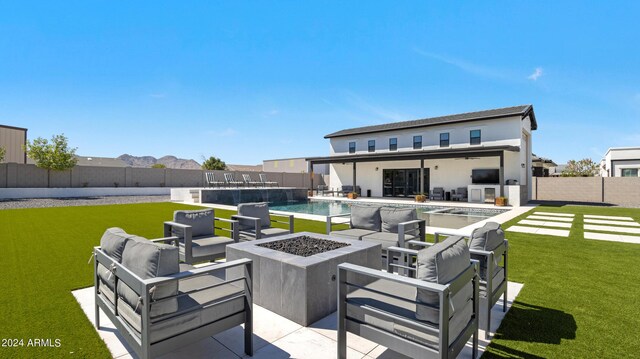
{"x": 501, "y": 173}
{"x": 354, "y": 176}
{"x": 310, "y": 170}
{"x": 422, "y": 176}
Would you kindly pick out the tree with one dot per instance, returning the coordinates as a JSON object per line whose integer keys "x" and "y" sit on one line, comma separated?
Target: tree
{"x": 2, "y": 153}
{"x": 214, "y": 163}
{"x": 582, "y": 168}
{"x": 158, "y": 165}
{"x": 55, "y": 155}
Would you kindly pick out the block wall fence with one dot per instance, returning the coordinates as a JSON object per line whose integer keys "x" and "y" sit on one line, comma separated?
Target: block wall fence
{"x": 15, "y": 175}
{"x": 622, "y": 191}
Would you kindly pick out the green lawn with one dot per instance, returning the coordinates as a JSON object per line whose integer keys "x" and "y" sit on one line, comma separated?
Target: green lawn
{"x": 581, "y": 298}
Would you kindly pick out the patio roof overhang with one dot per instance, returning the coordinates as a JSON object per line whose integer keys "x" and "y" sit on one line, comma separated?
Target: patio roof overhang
{"x": 490, "y": 151}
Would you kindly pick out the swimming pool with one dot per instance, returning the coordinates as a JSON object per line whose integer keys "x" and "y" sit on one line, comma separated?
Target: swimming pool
{"x": 435, "y": 216}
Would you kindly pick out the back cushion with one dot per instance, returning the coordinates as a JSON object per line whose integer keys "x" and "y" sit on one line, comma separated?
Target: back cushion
{"x": 201, "y": 221}
{"x": 487, "y": 237}
{"x": 441, "y": 263}
{"x": 113, "y": 241}
{"x": 391, "y": 217}
{"x": 149, "y": 260}
{"x": 258, "y": 210}
{"x": 364, "y": 217}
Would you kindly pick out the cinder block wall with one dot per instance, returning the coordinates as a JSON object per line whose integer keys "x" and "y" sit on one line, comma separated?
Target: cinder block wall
{"x": 571, "y": 189}
{"x": 623, "y": 191}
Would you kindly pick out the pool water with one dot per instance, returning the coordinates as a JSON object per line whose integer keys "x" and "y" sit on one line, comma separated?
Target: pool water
{"x": 435, "y": 216}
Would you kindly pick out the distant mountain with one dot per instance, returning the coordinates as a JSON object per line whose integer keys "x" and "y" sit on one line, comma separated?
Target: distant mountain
{"x": 169, "y": 161}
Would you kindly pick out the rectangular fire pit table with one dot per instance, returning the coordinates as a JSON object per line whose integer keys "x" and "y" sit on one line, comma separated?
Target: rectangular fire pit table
{"x": 302, "y": 289}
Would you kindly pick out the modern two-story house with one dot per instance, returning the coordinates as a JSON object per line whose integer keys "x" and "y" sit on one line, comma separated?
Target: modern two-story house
{"x": 487, "y": 152}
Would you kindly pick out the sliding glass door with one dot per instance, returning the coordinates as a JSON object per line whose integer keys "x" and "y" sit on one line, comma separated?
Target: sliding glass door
{"x": 403, "y": 182}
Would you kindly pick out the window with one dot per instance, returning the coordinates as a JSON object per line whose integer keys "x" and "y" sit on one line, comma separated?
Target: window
{"x": 629, "y": 172}
{"x": 475, "y": 137}
{"x": 352, "y": 147}
{"x": 417, "y": 142}
{"x": 444, "y": 139}
{"x": 372, "y": 145}
{"x": 393, "y": 144}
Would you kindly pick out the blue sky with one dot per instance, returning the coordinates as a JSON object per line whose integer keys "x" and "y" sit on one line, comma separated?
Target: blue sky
{"x": 251, "y": 81}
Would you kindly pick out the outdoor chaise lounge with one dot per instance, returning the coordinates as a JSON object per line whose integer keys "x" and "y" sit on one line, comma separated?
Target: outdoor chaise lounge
{"x": 211, "y": 180}
{"x": 437, "y": 194}
{"x": 431, "y": 316}
{"x": 250, "y": 182}
{"x": 389, "y": 226}
{"x": 348, "y": 189}
{"x": 231, "y": 181}
{"x": 460, "y": 194}
{"x": 255, "y": 221}
{"x": 196, "y": 233}
{"x": 158, "y": 305}
{"x": 265, "y": 182}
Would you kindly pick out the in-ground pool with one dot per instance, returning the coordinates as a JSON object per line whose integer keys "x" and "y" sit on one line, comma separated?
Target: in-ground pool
{"x": 435, "y": 216}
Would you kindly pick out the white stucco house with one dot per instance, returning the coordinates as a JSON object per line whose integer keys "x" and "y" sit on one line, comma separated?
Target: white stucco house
{"x": 621, "y": 162}
{"x": 488, "y": 152}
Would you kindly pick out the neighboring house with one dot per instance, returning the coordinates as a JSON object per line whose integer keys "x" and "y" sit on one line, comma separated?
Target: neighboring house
{"x": 557, "y": 170}
{"x": 293, "y": 165}
{"x": 541, "y": 166}
{"x": 488, "y": 152}
{"x": 13, "y": 139}
{"x": 621, "y": 162}
{"x": 244, "y": 168}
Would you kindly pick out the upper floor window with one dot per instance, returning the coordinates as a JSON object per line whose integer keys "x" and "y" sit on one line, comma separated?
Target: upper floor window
{"x": 372, "y": 145}
{"x": 352, "y": 147}
{"x": 629, "y": 172}
{"x": 417, "y": 142}
{"x": 444, "y": 139}
{"x": 475, "y": 138}
{"x": 393, "y": 144}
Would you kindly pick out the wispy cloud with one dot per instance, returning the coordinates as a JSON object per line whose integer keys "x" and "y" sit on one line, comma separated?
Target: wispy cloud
{"x": 273, "y": 112}
{"x": 378, "y": 111}
{"x": 536, "y": 74}
{"x": 464, "y": 65}
{"x": 158, "y": 95}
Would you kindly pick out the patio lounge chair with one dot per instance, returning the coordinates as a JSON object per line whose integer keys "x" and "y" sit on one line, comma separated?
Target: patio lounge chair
{"x": 431, "y": 316}
{"x": 196, "y": 235}
{"x": 437, "y": 194}
{"x": 389, "y": 226}
{"x": 255, "y": 221}
{"x": 348, "y": 189}
{"x": 460, "y": 194}
{"x": 249, "y": 182}
{"x": 211, "y": 180}
{"x": 158, "y": 305}
{"x": 488, "y": 245}
{"x": 266, "y": 182}
{"x": 231, "y": 181}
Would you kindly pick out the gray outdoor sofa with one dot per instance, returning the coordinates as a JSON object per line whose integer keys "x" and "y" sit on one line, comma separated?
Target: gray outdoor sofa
{"x": 460, "y": 194}
{"x": 255, "y": 221}
{"x": 437, "y": 194}
{"x": 486, "y": 245}
{"x": 196, "y": 233}
{"x": 157, "y": 304}
{"x": 389, "y": 226}
{"x": 430, "y": 317}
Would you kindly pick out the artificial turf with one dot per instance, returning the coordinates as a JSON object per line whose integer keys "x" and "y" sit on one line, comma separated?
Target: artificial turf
{"x": 581, "y": 297}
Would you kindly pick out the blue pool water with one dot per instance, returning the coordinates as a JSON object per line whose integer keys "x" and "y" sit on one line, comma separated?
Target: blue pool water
{"x": 435, "y": 216}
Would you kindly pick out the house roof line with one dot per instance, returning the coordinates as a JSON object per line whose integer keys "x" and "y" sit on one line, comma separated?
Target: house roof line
{"x": 523, "y": 111}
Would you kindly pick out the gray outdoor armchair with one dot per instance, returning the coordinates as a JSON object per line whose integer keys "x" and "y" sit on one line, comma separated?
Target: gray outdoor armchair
{"x": 437, "y": 194}
{"x": 255, "y": 221}
{"x": 488, "y": 245}
{"x": 158, "y": 305}
{"x": 460, "y": 194}
{"x": 431, "y": 317}
{"x": 196, "y": 232}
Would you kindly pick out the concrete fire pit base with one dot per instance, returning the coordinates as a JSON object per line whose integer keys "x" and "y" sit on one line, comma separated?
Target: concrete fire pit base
{"x": 302, "y": 289}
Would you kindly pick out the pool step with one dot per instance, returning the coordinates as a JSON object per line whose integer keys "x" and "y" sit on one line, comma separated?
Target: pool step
{"x": 195, "y": 195}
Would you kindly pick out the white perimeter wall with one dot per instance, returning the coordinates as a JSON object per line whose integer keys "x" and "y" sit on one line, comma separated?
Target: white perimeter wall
{"x": 12, "y": 193}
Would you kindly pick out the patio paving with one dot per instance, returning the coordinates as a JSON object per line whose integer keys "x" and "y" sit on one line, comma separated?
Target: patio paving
{"x": 612, "y": 237}
{"x": 593, "y": 227}
{"x": 545, "y": 223}
{"x": 616, "y": 223}
{"x": 277, "y": 337}
{"x": 555, "y": 214}
{"x": 537, "y": 230}
{"x": 615, "y": 218}
{"x": 551, "y": 218}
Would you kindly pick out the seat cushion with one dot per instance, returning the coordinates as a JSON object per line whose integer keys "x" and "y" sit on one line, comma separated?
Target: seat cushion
{"x": 210, "y": 305}
{"x": 150, "y": 260}
{"x": 256, "y": 210}
{"x": 353, "y": 233}
{"x": 487, "y": 237}
{"x": 386, "y": 239}
{"x": 392, "y": 216}
{"x": 361, "y": 302}
{"x": 201, "y": 221}
{"x": 441, "y": 263}
{"x": 268, "y": 232}
{"x": 365, "y": 217}
{"x": 206, "y": 246}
